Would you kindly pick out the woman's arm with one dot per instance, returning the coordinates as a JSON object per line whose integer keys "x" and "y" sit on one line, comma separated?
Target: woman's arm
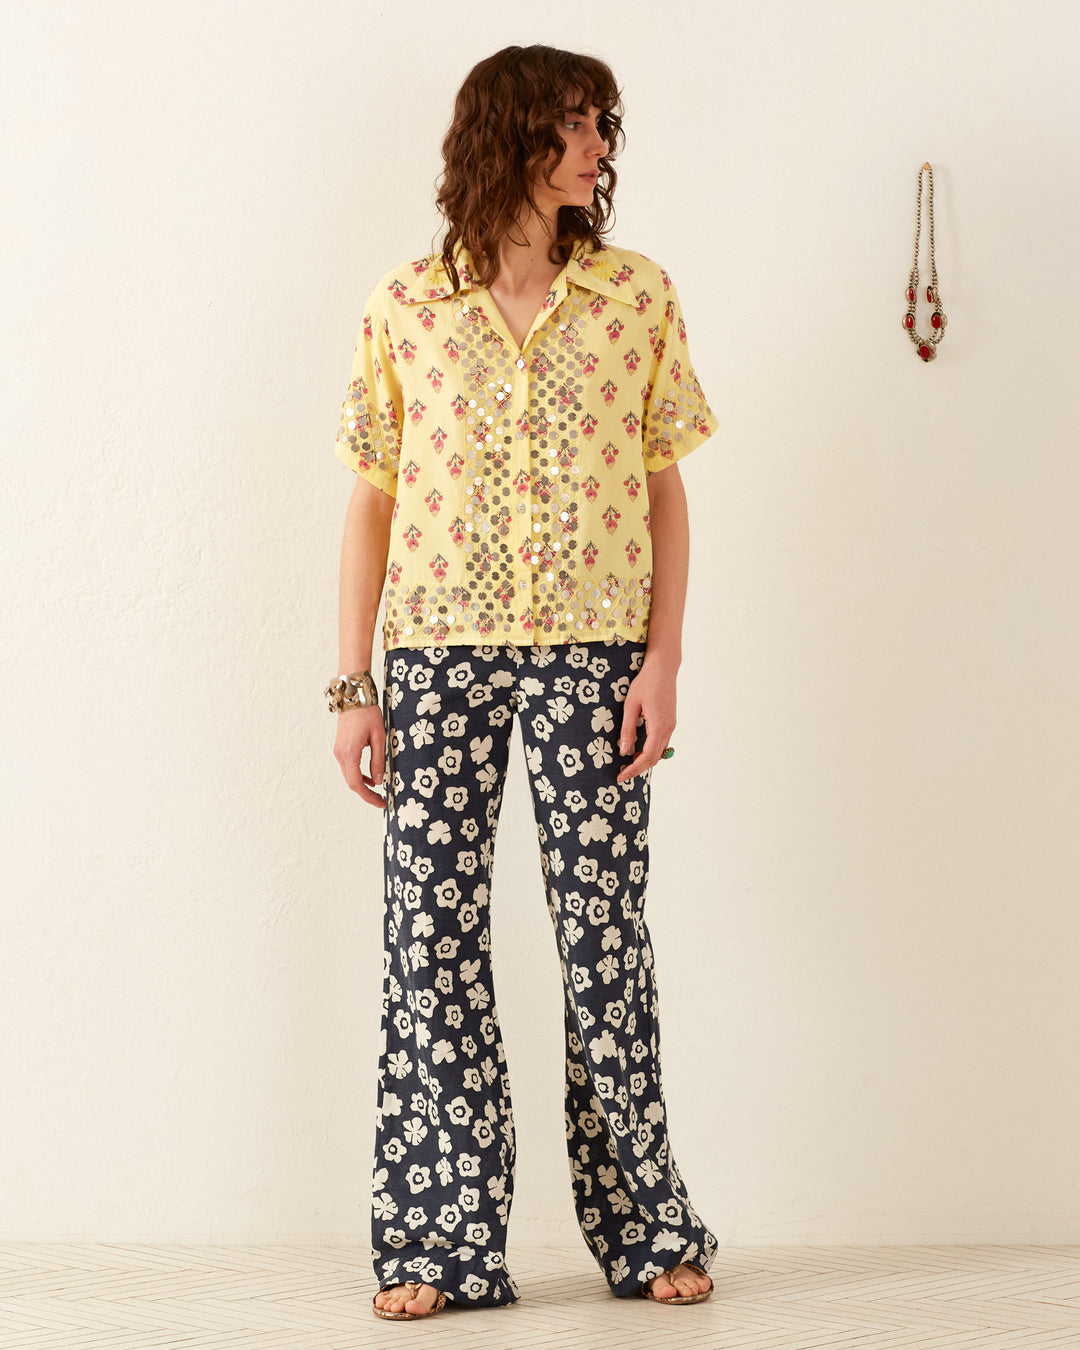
{"x": 652, "y": 691}
{"x": 363, "y": 571}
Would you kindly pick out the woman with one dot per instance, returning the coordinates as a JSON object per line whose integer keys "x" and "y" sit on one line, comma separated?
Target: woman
{"x": 517, "y": 407}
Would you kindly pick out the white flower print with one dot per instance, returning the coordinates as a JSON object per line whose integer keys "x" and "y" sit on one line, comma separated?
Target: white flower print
{"x": 469, "y": 828}
{"x": 667, "y": 1241}
{"x": 422, "y": 732}
{"x": 414, "y": 1130}
{"x": 478, "y": 693}
{"x": 637, "y": 1084}
{"x": 542, "y": 728}
{"x": 615, "y": 1013}
{"x": 599, "y": 667}
{"x": 607, "y": 799}
{"x": 444, "y": 981}
{"x": 478, "y": 1233}
{"x": 637, "y": 872}
{"x": 574, "y": 801}
{"x": 533, "y": 760}
{"x": 418, "y": 1178}
{"x": 578, "y": 655}
{"x": 632, "y": 812}
{"x": 419, "y": 678}
{"x": 570, "y": 761}
{"x": 422, "y": 1034}
{"x": 602, "y": 719}
{"x": 394, "y": 1237}
{"x": 669, "y": 1211}
{"x": 469, "y": 1199}
{"x": 620, "y": 1202}
{"x": 608, "y": 882}
{"x": 595, "y": 828}
{"x": 575, "y": 1072}
{"x": 468, "y": 917}
{"x": 648, "y": 1172}
{"x": 438, "y": 832}
{"x": 603, "y": 1046}
{"x": 586, "y": 870}
{"x": 447, "y": 894}
{"x": 400, "y": 1064}
{"x": 480, "y": 748}
{"x": 487, "y": 777}
{"x": 501, "y": 679}
{"x": 619, "y": 688}
{"x": 418, "y": 955}
{"x": 590, "y": 1217}
{"x": 452, "y": 1015}
{"x": 454, "y": 725}
{"x": 589, "y": 1124}
{"x": 631, "y": 1233}
{"x": 608, "y": 969}
{"x": 449, "y": 1217}
{"x": 447, "y": 948}
{"x": 608, "y": 1177}
{"x": 394, "y": 1150}
{"x": 498, "y": 716}
{"x": 618, "y": 846}
{"x": 450, "y": 761}
{"x": 391, "y": 1106}
{"x": 443, "y": 1052}
{"x": 560, "y": 824}
{"x": 478, "y": 996}
{"x": 398, "y": 669}
{"x": 422, "y": 868}
{"x": 471, "y": 1079}
{"x": 599, "y": 752}
{"x": 542, "y": 654}
{"x": 564, "y": 684}
{"x": 456, "y": 798}
{"x": 612, "y": 938}
{"x": 430, "y": 703}
{"x": 544, "y": 789}
{"x": 620, "y": 1269}
{"x": 468, "y": 971}
{"x": 474, "y": 1287}
{"x": 580, "y": 977}
{"x": 588, "y": 691}
{"x": 424, "y": 781}
{"x": 559, "y": 709}
{"x": 423, "y": 925}
{"x": 573, "y": 931}
{"x": 466, "y": 862}
{"x": 483, "y": 1133}
{"x": 487, "y": 1030}
{"x": 404, "y": 854}
{"x": 459, "y": 676}
{"x": 555, "y": 862}
{"x": 426, "y": 1002}
{"x": 402, "y": 1023}
{"x": 468, "y": 1165}
{"x": 598, "y": 911}
{"x": 459, "y": 1111}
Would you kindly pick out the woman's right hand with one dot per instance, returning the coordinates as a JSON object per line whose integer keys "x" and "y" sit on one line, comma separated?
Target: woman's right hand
{"x": 360, "y": 729}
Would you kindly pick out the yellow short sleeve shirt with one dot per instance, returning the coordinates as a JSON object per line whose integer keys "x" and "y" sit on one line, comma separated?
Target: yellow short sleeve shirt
{"x": 522, "y": 509}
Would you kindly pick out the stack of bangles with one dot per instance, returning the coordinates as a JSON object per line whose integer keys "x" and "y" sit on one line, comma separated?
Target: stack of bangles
{"x": 358, "y": 691}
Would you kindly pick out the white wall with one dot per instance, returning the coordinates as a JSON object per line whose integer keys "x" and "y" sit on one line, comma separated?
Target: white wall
{"x": 865, "y": 866}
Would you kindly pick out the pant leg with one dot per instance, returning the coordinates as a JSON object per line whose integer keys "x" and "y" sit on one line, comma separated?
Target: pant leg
{"x": 631, "y": 1201}
{"x": 444, "y": 1147}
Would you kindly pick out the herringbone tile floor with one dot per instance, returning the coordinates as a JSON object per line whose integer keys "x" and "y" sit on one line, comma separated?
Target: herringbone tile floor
{"x": 61, "y": 1296}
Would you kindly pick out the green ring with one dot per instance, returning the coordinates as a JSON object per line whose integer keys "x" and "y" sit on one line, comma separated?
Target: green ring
{"x": 668, "y": 753}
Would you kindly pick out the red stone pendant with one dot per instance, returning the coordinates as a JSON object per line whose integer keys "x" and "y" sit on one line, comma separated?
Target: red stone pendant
{"x": 930, "y": 294}
{"x": 911, "y": 295}
{"x": 909, "y": 321}
{"x": 935, "y": 319}
{"x": 926, "y": 351}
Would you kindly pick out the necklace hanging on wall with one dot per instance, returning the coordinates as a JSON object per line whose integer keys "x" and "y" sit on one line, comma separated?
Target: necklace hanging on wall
{"x": 925, "y": 347}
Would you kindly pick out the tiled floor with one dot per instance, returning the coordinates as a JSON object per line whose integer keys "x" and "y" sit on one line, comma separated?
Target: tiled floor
{"x": 111, "y": 1297}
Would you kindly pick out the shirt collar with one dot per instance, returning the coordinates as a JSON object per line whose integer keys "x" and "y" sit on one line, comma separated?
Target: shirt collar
{"x": 602, "y": 271}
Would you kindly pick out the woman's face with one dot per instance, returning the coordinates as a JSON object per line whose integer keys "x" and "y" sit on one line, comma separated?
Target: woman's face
{"x": 573, "y": 182}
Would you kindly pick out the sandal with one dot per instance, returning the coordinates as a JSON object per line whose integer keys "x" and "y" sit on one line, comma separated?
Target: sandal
{"x": 414, "y": 1285}
{"x": 680, "y": 1298}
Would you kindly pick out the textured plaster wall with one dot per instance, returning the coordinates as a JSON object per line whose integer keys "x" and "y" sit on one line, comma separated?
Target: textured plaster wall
{"x": 865, "y": 863}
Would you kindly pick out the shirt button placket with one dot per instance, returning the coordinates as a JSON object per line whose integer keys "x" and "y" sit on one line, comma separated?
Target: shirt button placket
{"x": 521, "y": 462}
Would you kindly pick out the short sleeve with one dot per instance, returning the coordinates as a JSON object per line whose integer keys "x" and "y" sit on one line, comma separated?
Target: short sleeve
{"x": 369, "y": 434}
{"x": 677, "y": 418}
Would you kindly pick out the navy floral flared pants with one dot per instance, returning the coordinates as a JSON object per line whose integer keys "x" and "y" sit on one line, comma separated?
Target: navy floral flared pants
{"x": 445, "y": 1147}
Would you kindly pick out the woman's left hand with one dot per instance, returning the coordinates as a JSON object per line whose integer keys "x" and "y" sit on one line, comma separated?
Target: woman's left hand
{"x": 651, "y": 695}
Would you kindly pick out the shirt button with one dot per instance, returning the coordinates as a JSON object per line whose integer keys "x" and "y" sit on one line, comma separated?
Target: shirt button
{"x": 520, "y": 363}
{"x": 521, "y": 506}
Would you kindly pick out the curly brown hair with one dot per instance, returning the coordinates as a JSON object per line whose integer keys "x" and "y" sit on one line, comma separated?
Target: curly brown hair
{"x": 502, "y": 132}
